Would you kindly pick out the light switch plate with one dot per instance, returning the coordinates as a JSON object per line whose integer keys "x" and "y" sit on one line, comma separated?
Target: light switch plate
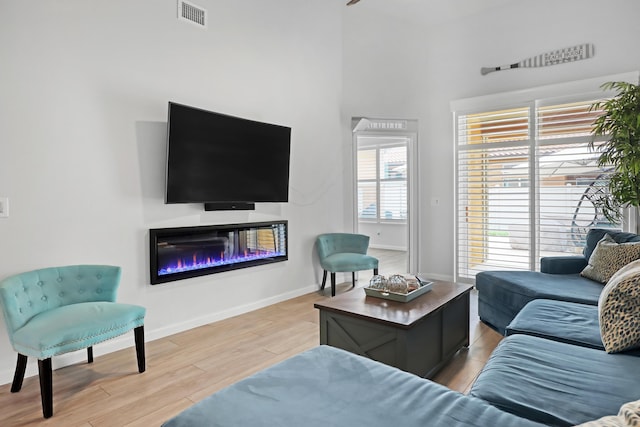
{"x": 4, "y": 207}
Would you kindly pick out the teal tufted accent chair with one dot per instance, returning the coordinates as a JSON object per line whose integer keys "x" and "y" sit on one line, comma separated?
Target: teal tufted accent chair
{"x": 343, "y": 252}
{"x": 57, "y": 310}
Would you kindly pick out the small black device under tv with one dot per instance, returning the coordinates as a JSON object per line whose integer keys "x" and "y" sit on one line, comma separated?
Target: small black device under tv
{"x": 223, "y": 161}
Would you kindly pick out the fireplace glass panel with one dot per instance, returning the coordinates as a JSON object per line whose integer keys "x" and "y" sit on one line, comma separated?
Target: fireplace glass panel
{"x": 180, "y": 253}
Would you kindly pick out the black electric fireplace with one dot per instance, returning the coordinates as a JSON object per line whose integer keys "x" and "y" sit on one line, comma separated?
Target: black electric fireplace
{"x": 184, "y": 252}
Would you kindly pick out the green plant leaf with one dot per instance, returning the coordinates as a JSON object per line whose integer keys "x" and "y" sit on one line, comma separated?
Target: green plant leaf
{"x": 620, "y": 124}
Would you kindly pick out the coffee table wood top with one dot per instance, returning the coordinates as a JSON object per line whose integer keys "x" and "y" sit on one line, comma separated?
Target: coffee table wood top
{"x": 399, "y": 314}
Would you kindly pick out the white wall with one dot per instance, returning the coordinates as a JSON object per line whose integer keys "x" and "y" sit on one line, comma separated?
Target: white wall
{"x": 400, "y": 69}
{"x": 84, "y": 87}
{"x": 385, "y": 235}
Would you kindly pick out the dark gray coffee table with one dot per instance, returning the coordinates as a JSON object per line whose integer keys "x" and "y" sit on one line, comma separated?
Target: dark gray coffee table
{"x": 418, "y": 336}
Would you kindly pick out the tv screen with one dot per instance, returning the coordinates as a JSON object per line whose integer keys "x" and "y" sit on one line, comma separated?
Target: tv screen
{"x": 217, "y": 158}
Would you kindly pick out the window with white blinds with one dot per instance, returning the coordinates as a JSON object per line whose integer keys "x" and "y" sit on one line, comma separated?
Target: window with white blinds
{"x": 526, "y": 181}
{"x": 382, "y": 179}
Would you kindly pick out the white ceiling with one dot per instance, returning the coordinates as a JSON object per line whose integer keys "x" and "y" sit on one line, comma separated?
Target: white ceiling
{"x": 429, "y": 11}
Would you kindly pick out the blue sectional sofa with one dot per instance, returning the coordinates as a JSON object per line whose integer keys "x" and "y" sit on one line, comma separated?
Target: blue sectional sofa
{"x": 502, "y": 294}
{"x": 551, "y": 369}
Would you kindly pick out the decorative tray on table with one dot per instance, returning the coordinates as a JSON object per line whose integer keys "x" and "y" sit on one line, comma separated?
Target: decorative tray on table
{"x": 399, "y": 287}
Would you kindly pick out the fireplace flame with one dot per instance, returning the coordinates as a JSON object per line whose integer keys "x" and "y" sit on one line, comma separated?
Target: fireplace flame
{"x": 193, "y": 263}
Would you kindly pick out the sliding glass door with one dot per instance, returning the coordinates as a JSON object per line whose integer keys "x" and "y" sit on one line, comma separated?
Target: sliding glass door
{"x": 527, "y": 180}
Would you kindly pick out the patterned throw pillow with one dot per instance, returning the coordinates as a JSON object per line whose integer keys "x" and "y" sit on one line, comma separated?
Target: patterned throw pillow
{"x": 609, "y": 257}
{"x": 619, "y": 310}
{"x": 628, "y": 416}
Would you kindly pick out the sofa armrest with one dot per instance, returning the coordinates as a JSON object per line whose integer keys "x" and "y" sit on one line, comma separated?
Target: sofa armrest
{"x": 563, "y": 264}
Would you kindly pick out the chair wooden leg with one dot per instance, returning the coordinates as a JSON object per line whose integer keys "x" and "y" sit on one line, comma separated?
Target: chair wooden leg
{"x": 21, "y": 366}
{"x": 89, "y": 354}
{"x": 333, "y": 284}
{"x": 139, "y": 337}
{"x": 353, "y": 279}
{"x": 46, "y": 387}
{"x": 324, "y": 279}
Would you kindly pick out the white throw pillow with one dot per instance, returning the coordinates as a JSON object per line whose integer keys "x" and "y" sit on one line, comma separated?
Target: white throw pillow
{"x": 628, "y": 416}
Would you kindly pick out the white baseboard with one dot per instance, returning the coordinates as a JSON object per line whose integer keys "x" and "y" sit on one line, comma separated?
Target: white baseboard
{"x": 126, "y": 340}
{"x": 214, "y": 317}
{"x": 389, "y": 247}
{"x": 443, "y": 277}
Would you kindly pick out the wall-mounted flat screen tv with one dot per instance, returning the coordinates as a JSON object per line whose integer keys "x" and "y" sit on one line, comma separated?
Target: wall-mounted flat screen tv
{"x": 215, "y": 158}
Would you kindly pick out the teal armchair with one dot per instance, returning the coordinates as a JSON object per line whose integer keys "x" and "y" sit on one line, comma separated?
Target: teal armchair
{"x": 57, "y": 310}
{"x": 343, "y": 252}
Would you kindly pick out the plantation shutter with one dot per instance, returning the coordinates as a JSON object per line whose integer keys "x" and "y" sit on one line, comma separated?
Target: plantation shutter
{"x": 526, "y": 181}
{"x": 367, "y": 173}
{"x": 493, "y": 188}
{"x": 568, "y": 177}
{"x": 393, "y": 182}
{"x": 382, "y": 179}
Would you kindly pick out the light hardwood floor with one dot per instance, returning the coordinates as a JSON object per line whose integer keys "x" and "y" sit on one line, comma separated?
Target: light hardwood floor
{"x": 390, "y": 262}
{"x": 185, "y": 368}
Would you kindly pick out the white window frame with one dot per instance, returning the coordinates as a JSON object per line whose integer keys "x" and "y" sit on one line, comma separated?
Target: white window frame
{"x": 404, "y": 142}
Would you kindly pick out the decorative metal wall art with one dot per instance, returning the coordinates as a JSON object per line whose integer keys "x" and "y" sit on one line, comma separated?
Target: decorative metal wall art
{"x": 568, "y": 54}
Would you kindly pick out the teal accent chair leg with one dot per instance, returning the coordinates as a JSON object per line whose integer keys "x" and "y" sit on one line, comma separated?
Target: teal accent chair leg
{"x": 46, "y": 375}
{"x": 333, "y": 280}
{"x": 353, "y": 277}
{"x": 21, "y": 366}
{"x": 333, "y": 284}
{"x": 46, "y": 387}
{"x": 139, "y": 337}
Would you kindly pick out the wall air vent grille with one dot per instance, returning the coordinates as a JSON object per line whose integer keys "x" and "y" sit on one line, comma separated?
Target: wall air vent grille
{"x": 192, "y": 13}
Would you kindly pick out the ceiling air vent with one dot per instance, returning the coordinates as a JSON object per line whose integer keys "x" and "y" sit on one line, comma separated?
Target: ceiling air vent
{"x": 192, "y": 13}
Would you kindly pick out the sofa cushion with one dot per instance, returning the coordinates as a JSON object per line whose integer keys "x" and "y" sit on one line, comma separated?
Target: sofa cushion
{"x": 326, "y": 386}
{"x": 619, "y": 310}
{"x": 609, "y": 257}
{"x": 502, "y": 294}
{"x": 557, "y": 383}
{"x": 562, "y": 321}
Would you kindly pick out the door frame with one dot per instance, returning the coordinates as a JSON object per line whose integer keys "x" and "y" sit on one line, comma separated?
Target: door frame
{"x": 407, "y": 128}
